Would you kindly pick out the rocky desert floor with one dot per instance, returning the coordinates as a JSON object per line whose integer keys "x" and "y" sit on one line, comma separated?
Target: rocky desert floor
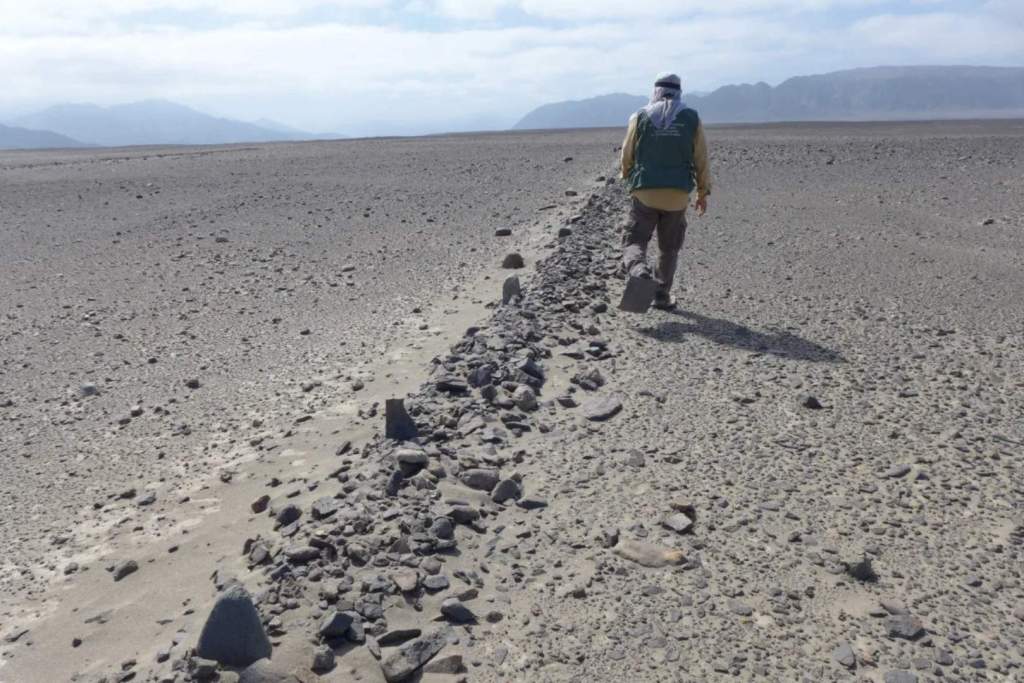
{"x": 811, "y": 471}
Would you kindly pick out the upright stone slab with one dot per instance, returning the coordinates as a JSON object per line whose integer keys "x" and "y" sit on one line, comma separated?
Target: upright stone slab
{"x": 233, "y": 634}
{"x": 397, "y": 423}
{"x": 510, "y": 290}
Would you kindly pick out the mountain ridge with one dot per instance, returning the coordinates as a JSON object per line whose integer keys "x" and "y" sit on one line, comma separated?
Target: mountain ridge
{"x": 872, "y": 93}
{"x": 14, "y": 137}
{"x": 150, "y": 122}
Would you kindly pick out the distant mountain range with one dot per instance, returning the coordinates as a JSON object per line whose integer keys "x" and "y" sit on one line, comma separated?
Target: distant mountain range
{"x": 151, "y": 122}
{"x": 25, "y": 138}
{"x": 879, "y": 93}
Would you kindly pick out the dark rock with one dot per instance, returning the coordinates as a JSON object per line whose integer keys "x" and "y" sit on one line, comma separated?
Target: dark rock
{"x": 323, "y": 659}
{"x": 511, "y": 289}
{"x": 512, "y": 261}
{"x": 323, "y": 508}
{"x": 810, "y": 402}
{"x": 335, "y": 624}
{"x": 260, "y": 504}
{"x": 450, "y": 664}
{"x": 125, "y": 568}
{"x": 401, "y": 665}
{"x": 904, "y": 626}
{"x": 506, "y": 489}
{"x": 503, "y": 232}
{"x": 233, "y": 633}
{"x": 454, "y": 611}
{"x": 481, "y": 478}
{"x": 288, "y": 514}
{"x": 397, "y": 423}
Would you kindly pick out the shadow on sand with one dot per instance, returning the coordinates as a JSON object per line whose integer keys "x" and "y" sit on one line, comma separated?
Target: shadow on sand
{"x": 782, "y": 344}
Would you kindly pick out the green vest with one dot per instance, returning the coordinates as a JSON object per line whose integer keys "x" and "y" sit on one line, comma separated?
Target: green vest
{"x": 664, "y": 157}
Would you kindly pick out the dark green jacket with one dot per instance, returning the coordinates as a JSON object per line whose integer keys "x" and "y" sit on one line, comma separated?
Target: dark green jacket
{"x": 664, "y": 157}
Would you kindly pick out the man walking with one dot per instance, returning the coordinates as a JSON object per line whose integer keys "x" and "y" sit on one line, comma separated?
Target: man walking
{"x": 664, "y": 158}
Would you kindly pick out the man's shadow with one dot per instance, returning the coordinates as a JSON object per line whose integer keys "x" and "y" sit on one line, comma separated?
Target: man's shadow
{"x": 782, "y": 344}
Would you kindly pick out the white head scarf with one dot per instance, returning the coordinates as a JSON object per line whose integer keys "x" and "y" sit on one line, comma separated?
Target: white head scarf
{"x": 666, "y": 101}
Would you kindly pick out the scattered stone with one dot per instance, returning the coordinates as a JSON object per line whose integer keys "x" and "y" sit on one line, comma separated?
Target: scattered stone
{"x": 192, "y": 383}
{"x": 233, "y": 633}
{"x": 740, "y": 609}
{"x": 648, "y": 554}
{"x": 503, "y": 232}
{"x": 265, "y": 671}
{"x": 450, "y": 664}
{"x": 513, "y": 261}
{"x": 335, "y": 624}
{"x": 480, "y": 478}
{"x": 510, "y": 290}
{"x": 125, "y": 568}
{"x": 525, "y": 398}
{"x": 454, "y": 611}
{"x": 259, "y": 506}
{"x": 810, "y": 402}
{"x": 288, "y": 514}
{"x": 323, "y": 659}
{"x": 505, "y": 490}
{"x": 602, "y": 408}
{"x": 399, "y": 666}
{"x": 398, "y": 425}
{"x": 900, "y": 677}
{"x": 678, "y": 523}
{"x": 844, "y": 655}
{"x": 904, "y": 626}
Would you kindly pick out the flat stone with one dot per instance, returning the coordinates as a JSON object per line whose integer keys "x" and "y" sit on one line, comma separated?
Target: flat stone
{"x": 648, "y": 554}
{"x": 335, "y": 624}
{"x": 454, "y": 611}
{"x": 900, "y": 677}
{"x": 398, "y": 636}
{"x": 506, "y": 489}
{"x": 400, "y": 665}
{"x": 233, "y": 633}
{"x": 397, "y": 423}
{"x": 481, "y": 478}
{"x": 740, "y": 609}
{"x": 265, "y": 671}
{"x": 678, "y": 523}
{"x": 511, "y": 289}
{"x": 602, "y": 408}
{"x": 124, "y": 569}
{"x": 450, "y": 664}
{"x": 904, "y": 626}
{"x": 844, "y": 655}
{"x": 406, "y": 581}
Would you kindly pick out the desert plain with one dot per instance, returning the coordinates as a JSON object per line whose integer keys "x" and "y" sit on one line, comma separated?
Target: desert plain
{"x": 810, "y": 471}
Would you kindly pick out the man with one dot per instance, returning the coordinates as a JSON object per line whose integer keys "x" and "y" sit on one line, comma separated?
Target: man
{"x": 664, "y": 158}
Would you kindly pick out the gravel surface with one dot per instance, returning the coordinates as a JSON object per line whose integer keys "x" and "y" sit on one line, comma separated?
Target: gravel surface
{"x": 161, "y": 305}
{"x": 810, "y": 471}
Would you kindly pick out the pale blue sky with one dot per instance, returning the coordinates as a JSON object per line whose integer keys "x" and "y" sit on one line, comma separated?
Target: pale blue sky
{"x": 375, "y": 66}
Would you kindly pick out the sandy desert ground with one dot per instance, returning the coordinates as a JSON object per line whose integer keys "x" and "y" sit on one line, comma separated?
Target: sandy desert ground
{"x": 820, "y": 451}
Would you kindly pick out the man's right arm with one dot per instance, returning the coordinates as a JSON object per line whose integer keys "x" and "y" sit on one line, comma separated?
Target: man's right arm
{"x": 629, "y": 148}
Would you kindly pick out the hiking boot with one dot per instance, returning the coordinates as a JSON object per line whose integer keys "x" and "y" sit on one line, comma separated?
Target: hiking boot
{"x": 664, "y": 302}
{"x": 642, "y": 271}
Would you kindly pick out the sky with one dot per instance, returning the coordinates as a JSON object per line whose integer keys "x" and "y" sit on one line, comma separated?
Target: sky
{"x": 405, "y": 66}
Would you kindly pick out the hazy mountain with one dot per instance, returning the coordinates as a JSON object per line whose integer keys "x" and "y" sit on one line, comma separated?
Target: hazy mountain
{"x": 885, "y": 93}
{"x": 24, "y": 138}
{"x": 152, "y": 122}
{"x": 596, "y": 112}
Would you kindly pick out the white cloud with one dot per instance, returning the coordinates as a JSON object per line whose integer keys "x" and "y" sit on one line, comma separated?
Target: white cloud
{"x": 329, "y": 75}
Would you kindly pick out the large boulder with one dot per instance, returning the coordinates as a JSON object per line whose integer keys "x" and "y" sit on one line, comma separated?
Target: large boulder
{"x": 233, "y": 634}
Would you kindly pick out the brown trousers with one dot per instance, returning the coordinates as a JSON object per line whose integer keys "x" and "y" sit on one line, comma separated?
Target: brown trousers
{"x": 671, "y": 227}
